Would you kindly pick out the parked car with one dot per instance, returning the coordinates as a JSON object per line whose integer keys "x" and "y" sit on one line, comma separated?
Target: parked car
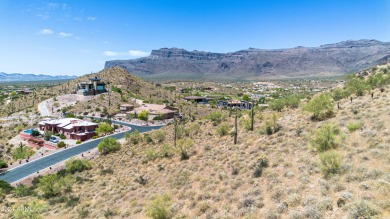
{"x": 53, "y": 139}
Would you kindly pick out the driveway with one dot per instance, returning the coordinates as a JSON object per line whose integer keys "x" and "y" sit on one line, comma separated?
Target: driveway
{"x": 25, "y": 170}
{"x": 43, "y": 109}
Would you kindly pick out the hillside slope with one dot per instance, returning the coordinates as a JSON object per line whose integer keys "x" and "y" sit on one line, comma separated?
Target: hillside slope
{"x": 326, "y": 60}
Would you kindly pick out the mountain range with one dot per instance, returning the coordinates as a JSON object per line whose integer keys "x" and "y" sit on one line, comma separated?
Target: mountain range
{"x": 11, "y": 77}
{"x": 323, "y": 61}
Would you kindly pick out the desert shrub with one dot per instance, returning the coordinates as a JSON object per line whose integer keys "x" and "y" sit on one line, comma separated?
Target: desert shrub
{"x": 158, "y": 208}
{"x": 321, "y": 106}
{"x": 357, "y": 86}
{"x": 338, "y": 94}
{"x": 223, "y": 129}
{"x": 35, "y": 210}
{"x": 78, "y": 142}
{"x": 361, "y": 209}
{"x": 246, "y": 123}
{"x": 3, "y": 164}
{"x": 133, "y": 137}
{"x": 159, "y": 136}
{"x": 183, "y": 146}
{"x": 35, "y": 133}
{"x": 108, "y": 145}
{"x": 158, "y": 117}
{"x": 271, "y": 125}
{"x": 22, "y": 152}
{"x": 146, "y": 138}
{"x": 193, "y": 129}
{"x": 216, "y": 117}
{"x": 23, "y": 190}
{"x": 260, "y": 165}
{"x": 166, "y": 150}
{"x": 276, "y": 105}
{"x": 330, "y": 162}
{"x": 152, "y": 154}
{"x": 77, "y": 165}
{"x": 49, "y": 185}
{"x": 326, "y": 137}
{"x": 62, "y": 136}
{"x": 353, "y": 126}
{"x": 143, "y": 115}
{"x": 5, "y": 187}
{"x": 61, "y": 144}
{"x": 180, "y": 131}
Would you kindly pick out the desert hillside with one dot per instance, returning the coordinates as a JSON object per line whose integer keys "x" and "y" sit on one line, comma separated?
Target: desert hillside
{"x": 294, "y": 164}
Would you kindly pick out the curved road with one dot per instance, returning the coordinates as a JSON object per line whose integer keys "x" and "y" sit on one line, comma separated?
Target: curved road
{"x": 25, "y": 170}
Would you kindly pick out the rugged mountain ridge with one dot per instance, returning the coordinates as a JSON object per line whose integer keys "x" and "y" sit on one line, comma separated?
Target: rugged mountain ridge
{"x": 326, "y": 60}
{"x": 9, "y": 77}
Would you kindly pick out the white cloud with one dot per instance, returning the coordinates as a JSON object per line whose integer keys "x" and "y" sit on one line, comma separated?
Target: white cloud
{"x": 63, "y": 34}
{"x": 45, "y": 32}
{"x": 130, "y": 53}
{"x": 136, "y": 53}
{"x": 111, "y": 53}
{"x": 91, "y": 18}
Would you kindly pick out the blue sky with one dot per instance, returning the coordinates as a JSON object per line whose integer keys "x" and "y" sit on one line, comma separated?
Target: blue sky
{"x": 77, "y": 37}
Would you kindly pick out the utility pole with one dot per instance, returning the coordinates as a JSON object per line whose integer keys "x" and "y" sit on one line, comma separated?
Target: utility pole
{"x": 235, "y": 129}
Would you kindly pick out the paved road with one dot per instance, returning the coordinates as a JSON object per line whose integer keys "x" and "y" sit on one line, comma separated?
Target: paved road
{"x": 47, "y": 161}
{"x": 43, "y": 109}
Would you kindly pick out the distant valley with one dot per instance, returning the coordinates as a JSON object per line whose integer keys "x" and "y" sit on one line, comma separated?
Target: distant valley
{"x": 15, "y": 77}
{"x": 300, "y": 62}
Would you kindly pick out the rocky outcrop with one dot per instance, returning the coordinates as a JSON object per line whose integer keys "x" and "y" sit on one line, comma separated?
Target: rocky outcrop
{"x": 326, "y": 60}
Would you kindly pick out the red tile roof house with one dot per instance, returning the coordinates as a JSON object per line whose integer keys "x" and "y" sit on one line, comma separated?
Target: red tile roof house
{"x": 72, "y": 128}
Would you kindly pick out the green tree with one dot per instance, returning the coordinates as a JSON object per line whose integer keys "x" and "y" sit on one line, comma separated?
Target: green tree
{"x": 47, "y": 134}
{"x": 326, "y": 137}
{"x": 159, "y": 207}
{"x": 103, "y": 128}
{"x": 246, "y": 97}
{"x": 143, "y": 115}
{"x": 13, "y": 95}
{"x": 61, "y": 144}
{"x": 5, "y": 187}
{"x": 321, "y": 106}
{"x": 49, "y": 185}
{"x": 108, "y": 145}
{"x": 277, "y": 105}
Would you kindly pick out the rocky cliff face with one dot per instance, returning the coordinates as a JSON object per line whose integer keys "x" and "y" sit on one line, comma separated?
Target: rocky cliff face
{"x": 326, "y": 60}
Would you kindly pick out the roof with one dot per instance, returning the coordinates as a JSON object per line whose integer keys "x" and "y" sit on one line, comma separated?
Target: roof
{"x": 94, "y": 79}
{"x": 127, "y": 105}
{"x": 193, "y": 98}
{"x": 67, "y": 123}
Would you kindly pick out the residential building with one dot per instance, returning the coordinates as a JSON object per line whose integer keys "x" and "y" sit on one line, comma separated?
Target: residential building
{"x": 72, "y": 128}
{"x": 197, "y": 99}
{"x": 166, "y": 112}
{"x": 93, "y": 87}
{"x": 126, "y": 108}
{"x": 240, "y": 104}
